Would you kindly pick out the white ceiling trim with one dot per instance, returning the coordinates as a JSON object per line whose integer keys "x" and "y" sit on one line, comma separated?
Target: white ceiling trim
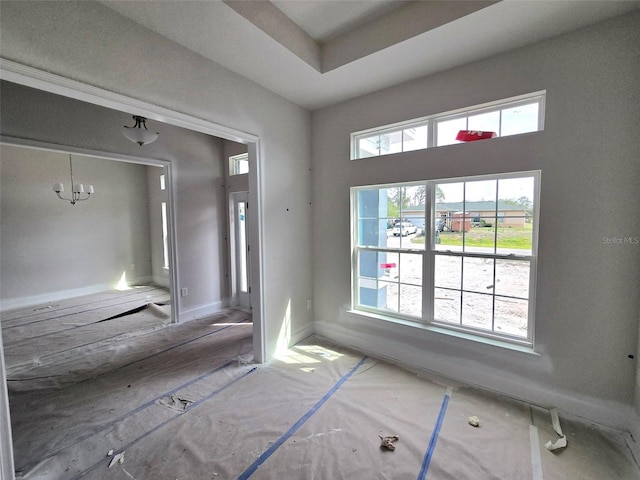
{"x": 49, "y": 82}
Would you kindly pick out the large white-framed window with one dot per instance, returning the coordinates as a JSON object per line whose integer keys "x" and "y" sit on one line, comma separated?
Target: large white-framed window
{"x": 510, "y": 116}
{"x": 459, "y": 254}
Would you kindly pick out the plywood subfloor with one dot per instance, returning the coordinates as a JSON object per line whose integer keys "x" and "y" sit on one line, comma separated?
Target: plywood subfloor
{"x": 314, "y": 412}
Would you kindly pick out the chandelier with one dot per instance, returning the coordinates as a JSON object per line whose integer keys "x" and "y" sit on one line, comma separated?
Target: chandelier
{"x": 78, "y": 190}
{"x": 138, "y": 134}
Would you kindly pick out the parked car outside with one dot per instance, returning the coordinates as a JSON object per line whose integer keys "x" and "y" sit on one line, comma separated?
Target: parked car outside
{"x": 403, "y": 229}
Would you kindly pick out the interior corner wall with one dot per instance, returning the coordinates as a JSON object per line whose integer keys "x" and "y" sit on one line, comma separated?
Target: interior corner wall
{"x": 52, "y": 249}
{"x": 89, "y": 43}
{"x": 586, "y": 308}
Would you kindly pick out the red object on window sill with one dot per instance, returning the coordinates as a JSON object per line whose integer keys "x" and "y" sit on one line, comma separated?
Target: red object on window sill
{"x": 473, "y": 135}
{"x": 387, "y": 265}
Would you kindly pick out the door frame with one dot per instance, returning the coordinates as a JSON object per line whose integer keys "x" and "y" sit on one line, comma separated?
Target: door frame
{"x": 41, "y": 80}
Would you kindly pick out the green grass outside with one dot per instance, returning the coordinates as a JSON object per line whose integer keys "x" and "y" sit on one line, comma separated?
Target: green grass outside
{"x": 508, "y": 237}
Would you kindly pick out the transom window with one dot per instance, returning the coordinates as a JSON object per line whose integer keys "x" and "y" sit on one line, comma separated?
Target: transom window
{"x": 506, "y": 117}
{"x": 239, "y": 164}
{"x": 457, "y": 253}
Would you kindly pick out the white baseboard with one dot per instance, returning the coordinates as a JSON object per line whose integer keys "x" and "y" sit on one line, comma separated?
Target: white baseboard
{"x": 202, "y": 311}
{"x": 44, "y": 298}
{"x": 302, "y": 333}
{"x": 609, "y": 414}
{"x": 13, "y": 303}
{"x": 161, "y": 281}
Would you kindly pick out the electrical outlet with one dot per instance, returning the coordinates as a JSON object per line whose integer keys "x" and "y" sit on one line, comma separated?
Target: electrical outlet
{"x": 184, "y": 292}
{"x": 308, "y": 304}
{"x": 133, "y": 267}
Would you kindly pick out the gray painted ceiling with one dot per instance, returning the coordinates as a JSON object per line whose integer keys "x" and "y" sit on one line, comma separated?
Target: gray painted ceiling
{"x": 358, "y": 46}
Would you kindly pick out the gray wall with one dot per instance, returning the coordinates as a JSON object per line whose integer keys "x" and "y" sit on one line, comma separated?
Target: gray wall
{"x": 52, "y": 249}
{"x": 90, "y": 43}
{"x": 198, "y": 178}
{"x": 587, "y": 292}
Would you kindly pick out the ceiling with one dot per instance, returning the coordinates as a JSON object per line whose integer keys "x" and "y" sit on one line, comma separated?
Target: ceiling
{"x": 320, "y": 52}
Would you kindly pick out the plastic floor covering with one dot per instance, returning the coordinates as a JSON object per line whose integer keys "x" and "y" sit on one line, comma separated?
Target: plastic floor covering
{"x": 194, "y": 408}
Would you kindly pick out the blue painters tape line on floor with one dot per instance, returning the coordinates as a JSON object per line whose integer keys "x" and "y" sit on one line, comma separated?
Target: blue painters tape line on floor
{"x": 158, "y": 427}
{"x": 254, "y": 466}
{"x": 55, "y": 451}
{"x": 106, "y": 426}
{"x": 434, "y": 437}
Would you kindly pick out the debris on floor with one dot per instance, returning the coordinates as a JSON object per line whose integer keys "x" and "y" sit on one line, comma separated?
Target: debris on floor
{"x": 246, "y": 359}
{"x": 560, "y": 442}
{"x": 474, "y": 421}
{"x": 387, "y": 442}
{"x": 175, "y": 402}
{"x": 119, "y": 458}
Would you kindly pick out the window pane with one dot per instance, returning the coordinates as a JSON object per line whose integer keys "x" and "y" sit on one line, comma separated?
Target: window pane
{"x": 477, "y": 275}
{"x": 515, "y": 210}
{"x": 477, "y": 310}
{"x": 482, "y": 192}
{"x": 368, "y": 264}
{"x": 520, "y": 119}
{"x": 411, "y": 300}
{"x": 448, "y": 271}
{"x": 390, "y": 295}
{"x": 389, "y": 266}
{"x": 485, "y": 122}
{"x": 411, "y": 268}
{"x": 448, "y": 200}
{"x": 480, "y": 239}
{"x": 390, "y": 142}
{"x": 394, "y": 202}
{"x": 512, "y": 278}
{"x": 511, "y": 316}
{"x": 512, "y": 239}
{"x": 414, "y": 138}
{"x": 373, "y": 218}
{"x": 448, "y": 130}
{"x": 446, "y": 306}
{"x": 368, "y": 146}
{"x": 371, "y": 292}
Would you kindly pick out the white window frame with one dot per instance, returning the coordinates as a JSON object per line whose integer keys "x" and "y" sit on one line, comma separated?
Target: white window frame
{"x": 431, "y": 122}
{"x": 234, "y": 164}
{"x": 429, "y": 253}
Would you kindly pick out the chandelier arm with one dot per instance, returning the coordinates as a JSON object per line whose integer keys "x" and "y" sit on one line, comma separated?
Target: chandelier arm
{"x": 62, "y": 198}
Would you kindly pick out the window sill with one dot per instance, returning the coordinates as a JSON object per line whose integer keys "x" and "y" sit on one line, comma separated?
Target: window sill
{"x": 527, "y": 349}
